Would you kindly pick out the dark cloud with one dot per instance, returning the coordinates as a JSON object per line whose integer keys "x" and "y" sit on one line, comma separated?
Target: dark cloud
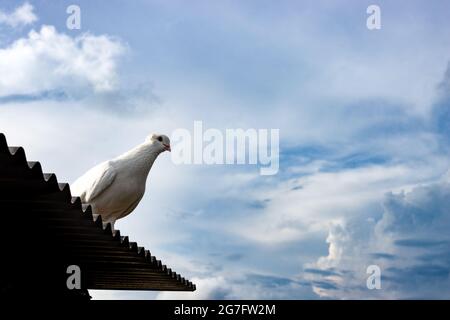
{"x": 328, "y": 285}
{"x": 420, "y": 243}
{"x": 414, "y": 228}
{"x": 269, "y": 280}
{"x": 386, "y": 256}
{"x": 441, "y": 110}
{"x": 429, "y": 271}
{"x": 55, "y": 95}
{"x": 322, "y": 272}
{"x": 435, "y": 257}
{"x": 417, "y": 277}
{"x": 426, "y": 209}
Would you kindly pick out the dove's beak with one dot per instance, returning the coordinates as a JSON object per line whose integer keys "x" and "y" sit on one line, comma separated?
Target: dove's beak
{"x": 167, "y": 147}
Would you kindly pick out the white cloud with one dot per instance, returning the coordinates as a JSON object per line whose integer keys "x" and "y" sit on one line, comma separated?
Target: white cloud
{"x": 47, "y": 60}
{"x": 305, "y": 205}
{"x": 21, "y": 16}
{"x": 409, "y": 243}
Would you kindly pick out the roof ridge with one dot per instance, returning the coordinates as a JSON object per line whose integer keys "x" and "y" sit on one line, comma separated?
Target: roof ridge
{"x": 34, "y": 171}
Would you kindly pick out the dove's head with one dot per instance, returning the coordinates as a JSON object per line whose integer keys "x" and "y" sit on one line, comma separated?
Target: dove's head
{"x": 160, "y": 140}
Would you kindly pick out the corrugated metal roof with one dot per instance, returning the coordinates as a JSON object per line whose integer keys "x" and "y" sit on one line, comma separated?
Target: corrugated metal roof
{"x": 46, "y": 224}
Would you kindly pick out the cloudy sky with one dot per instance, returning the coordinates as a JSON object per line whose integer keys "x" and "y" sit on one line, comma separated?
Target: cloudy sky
{"x": 364, "y": 119}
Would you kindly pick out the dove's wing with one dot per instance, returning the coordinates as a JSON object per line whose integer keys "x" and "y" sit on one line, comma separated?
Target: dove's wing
{"x": 95, "y": 181}
{"x": 132, "y": 206}
{"x": 104, "y": 180}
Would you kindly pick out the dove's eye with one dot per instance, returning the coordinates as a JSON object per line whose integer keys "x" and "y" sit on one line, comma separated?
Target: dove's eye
{"x": 159, "y": 139}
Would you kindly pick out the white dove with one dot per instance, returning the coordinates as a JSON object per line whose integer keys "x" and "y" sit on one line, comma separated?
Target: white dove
{"x": 115, "y": 187}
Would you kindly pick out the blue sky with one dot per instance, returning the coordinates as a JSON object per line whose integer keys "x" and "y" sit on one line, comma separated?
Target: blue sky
{"x": 364, "y": 139}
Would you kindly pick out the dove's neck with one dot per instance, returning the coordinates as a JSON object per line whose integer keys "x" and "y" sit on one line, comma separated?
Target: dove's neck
{"x": 141, "y": 158}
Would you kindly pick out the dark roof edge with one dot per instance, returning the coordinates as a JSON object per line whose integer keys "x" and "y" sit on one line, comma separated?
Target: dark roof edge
{"x": 51, "y": 180}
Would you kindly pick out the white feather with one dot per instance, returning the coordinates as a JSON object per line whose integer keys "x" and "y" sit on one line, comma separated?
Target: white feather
{"x": 114, "y": 188}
